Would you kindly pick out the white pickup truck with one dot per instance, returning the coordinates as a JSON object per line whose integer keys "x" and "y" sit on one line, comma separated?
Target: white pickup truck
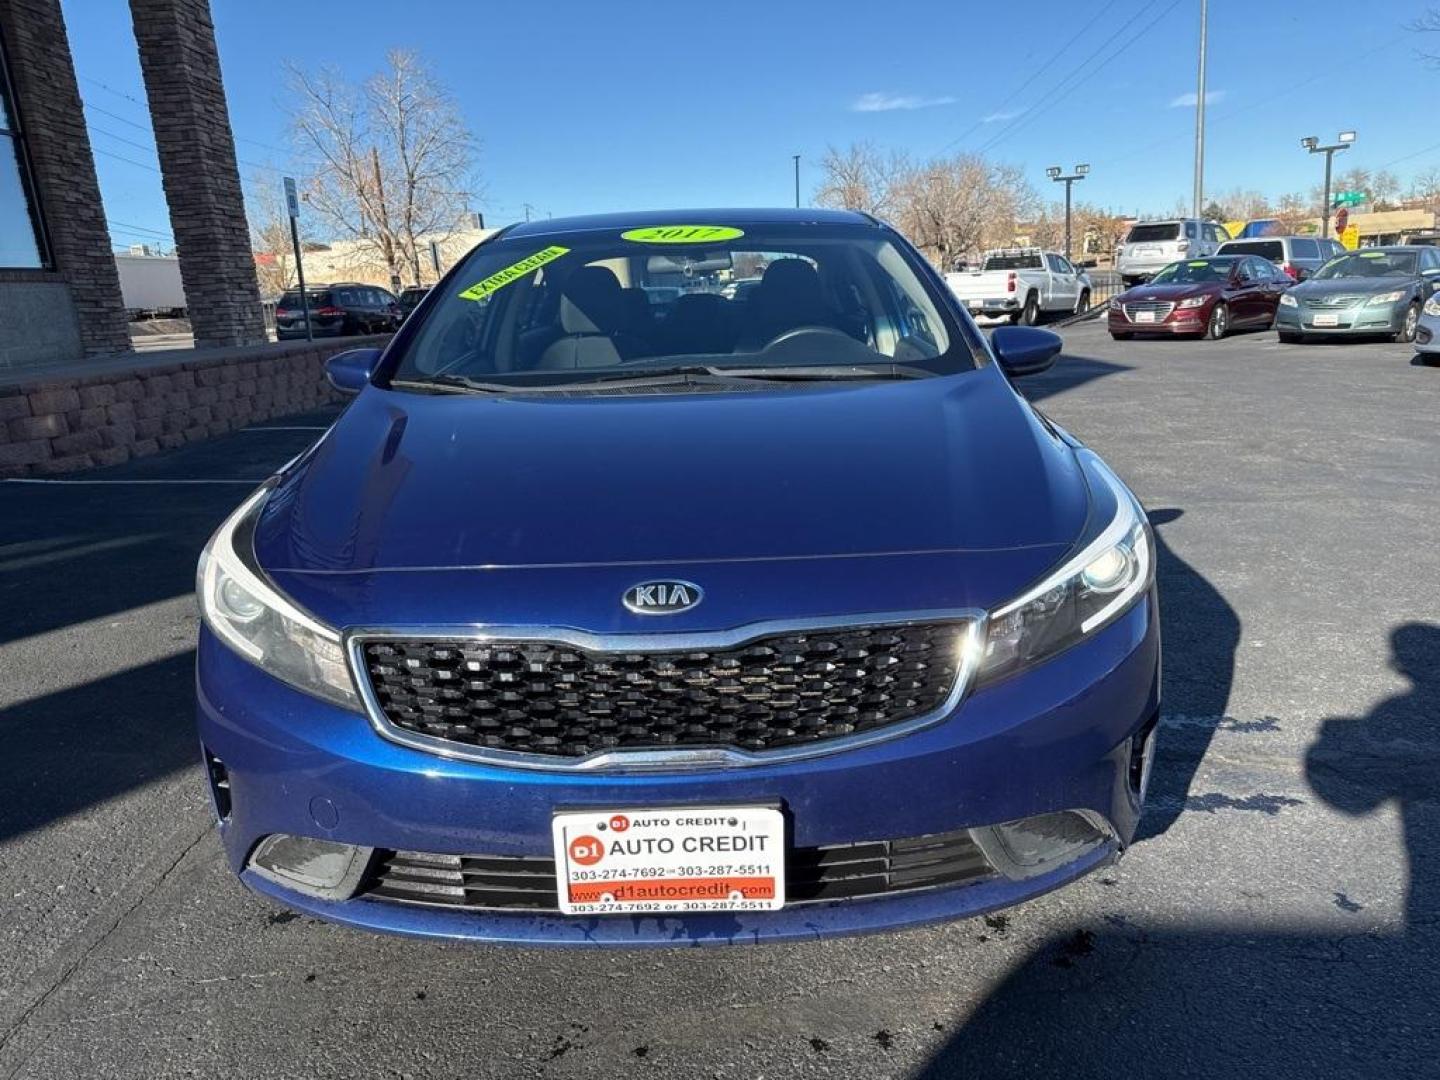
{"x": 1022, "y": 284}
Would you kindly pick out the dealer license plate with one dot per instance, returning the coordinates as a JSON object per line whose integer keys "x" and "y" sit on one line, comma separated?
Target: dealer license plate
{"x": 1327, "y": 320}
{"x": 1145, "y": 316}
{"x": 686, "y": 859}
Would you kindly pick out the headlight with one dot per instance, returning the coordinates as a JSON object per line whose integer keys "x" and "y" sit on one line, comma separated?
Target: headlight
{"x": 1083, "y": 595}
{"x": 1432, "y": 306}
{"x": 259, "y": 623}
{"x": 1114, "y": 304}
{"x": 1286, "y": 300}
{"x": 1386, "y": 298}
{"x": 1193, "y": 302}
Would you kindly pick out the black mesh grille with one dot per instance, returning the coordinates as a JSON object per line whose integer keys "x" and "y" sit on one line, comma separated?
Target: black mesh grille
{"x": 544, "y": 698}
{"x": 812, "y": 874}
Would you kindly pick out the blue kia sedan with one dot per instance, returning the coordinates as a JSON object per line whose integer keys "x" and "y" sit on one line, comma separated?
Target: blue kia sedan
{"x": 603, "y": 620}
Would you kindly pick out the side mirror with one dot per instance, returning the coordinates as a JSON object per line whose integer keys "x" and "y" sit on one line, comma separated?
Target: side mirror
{"x": 350, "y": 371}
{"x": 1025, "y": 350}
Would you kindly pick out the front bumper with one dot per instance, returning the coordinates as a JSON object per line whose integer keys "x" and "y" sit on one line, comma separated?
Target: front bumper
{"x": 1427, "y": 335}
{"x": 993, "y": 307}
{"x": 1188, "y": 321}
{"x": 1060, "y": 737}
{"x": 1357, "y": 320}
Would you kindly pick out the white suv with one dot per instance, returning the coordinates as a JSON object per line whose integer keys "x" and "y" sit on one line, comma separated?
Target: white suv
{"x": 1151, "y": 246}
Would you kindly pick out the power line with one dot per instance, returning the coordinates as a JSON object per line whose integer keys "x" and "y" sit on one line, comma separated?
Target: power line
{"x": 126, "y": 226}
{"x": 1078, "y": 73}
{"x": 145, "y": 106}
{"x": 1039, "y": 70}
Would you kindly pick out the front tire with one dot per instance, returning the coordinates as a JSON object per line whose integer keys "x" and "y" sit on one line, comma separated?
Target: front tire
{"x": 1219, "y": 324}
{"x": 1410, "y": 325}
{"x": 1120, "y": 335}
{"x": 1290, "y": 338}
{"x": 1083, "y": 304}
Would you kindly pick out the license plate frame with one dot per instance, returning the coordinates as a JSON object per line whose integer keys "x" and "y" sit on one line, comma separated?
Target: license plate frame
{"x": 614, "y": 862}
{"x": 1145, "y": 317}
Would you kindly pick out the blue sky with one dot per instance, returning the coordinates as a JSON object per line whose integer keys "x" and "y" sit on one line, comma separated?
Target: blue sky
{"x": 609, "y": 106}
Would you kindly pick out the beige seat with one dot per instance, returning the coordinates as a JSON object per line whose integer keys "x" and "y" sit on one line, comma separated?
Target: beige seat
{"x": 592, "y": 315}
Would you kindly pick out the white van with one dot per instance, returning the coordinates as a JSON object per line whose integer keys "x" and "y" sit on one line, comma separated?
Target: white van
{"x": 1151, "y": 246}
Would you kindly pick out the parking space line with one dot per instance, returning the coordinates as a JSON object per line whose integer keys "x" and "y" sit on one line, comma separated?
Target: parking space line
{"x": 286, "y": 429}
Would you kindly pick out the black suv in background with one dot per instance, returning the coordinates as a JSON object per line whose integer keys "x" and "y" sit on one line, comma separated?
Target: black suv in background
{"x": 338, "y": 311}
{"x": 410, "y": 298}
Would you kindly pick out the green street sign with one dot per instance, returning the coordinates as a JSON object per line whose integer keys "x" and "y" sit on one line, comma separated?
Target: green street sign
{"x": 1349, "y": 198}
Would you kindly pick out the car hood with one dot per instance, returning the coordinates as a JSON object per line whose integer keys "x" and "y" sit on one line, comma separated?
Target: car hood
{"x": 1171, "y": 293}
{"x": 1351, "y": 286}
{"x": 823, "y": 493}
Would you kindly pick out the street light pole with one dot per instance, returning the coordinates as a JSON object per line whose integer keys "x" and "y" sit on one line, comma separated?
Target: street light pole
{"x": 1311, "y": 143}
{"x": 1056, "y": 173}
{"x": 797, "y": 180}
{"x": 1200, "y": 112}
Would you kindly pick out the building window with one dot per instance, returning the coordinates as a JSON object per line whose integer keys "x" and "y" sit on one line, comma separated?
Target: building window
{"x": 21, "y": 245}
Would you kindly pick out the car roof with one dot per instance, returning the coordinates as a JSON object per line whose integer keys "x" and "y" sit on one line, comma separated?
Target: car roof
{"x": 652, "y": 218}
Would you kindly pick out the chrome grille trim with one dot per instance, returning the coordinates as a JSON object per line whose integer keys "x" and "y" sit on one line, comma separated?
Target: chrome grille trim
{"x": 1161, "y": 309}
{"x": 1332, "y": 302}
{"x": 968, "y": 624}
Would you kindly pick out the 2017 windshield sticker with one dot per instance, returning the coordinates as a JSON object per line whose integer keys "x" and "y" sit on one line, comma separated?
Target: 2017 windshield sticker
{"x": 682, "y": 234}
{"x": 498, "y": 280}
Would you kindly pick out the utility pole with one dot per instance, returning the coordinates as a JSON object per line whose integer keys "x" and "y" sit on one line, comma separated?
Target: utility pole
{"x": 1056, "y": 173}
{"x": 1311, "y": 143}
{"x": 797, "y": 180}
{"x": 1200, "y": 112}
{"x": 528, "y": 208}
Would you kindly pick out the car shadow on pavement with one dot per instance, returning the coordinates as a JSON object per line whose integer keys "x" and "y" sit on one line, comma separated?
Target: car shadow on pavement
{"x": 1069, "y": 372}
{"x": 1200, "y": 632}
{"x": 1345, "y": 997}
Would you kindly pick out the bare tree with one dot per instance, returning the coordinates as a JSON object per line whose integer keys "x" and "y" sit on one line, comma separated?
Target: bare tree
{"x": 270, "y": 239}
{"x": 1429, "y": 23}
{"x": 1425, "y": 190}
{"x": 948, "y": 207}
{"x": 1293, "y": 211}
{"x": 859, "y": 178}
{"x": 389, "y": 162}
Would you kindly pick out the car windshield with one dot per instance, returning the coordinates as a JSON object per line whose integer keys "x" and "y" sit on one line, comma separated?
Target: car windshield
{"x": 605, "y": 304}
{"x": 1273, "y": 250}
{"x": 1153, "y": 234}
{"x": 1028, "y": 261}
{"x": 1371, "y": 264}
{"x": 1194, "y": 272}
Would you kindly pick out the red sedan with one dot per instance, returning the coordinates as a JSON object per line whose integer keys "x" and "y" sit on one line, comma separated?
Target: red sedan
{"x": 1205, "y": 297}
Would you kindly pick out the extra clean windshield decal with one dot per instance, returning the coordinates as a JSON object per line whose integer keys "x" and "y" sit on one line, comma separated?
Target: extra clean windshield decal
{"x": 682, "y": 234}
{"x": 1202, "y": 263}
{"x": 1373, "y": 254}
{"x": 498, "y": 280}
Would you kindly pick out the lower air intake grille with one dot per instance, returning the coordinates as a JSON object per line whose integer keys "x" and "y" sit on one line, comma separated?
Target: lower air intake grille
{"x": 813, "y": 874}
{"x": 537, "y": 697}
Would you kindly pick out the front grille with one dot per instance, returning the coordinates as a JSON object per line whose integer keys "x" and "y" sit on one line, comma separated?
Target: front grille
{"x": 1158, "y": 308}
{"x": 1331, "y": 302}
{"x": 537, "y": 697}
{"x": 814, "y": 874}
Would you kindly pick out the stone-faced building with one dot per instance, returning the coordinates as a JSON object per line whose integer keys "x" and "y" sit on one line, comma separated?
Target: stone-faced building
{"x": 59, "y": 291}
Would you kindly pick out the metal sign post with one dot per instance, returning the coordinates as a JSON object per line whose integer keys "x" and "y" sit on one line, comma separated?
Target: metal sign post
{"x": 435, "y": 258}
{"x": 292, "y": 205}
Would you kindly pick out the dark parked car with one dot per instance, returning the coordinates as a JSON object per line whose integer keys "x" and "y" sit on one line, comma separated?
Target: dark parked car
{"x": 410, "y": 298}
{"x": 1298, "y": 256}
{"x": 771, "y": 620}
{"x": 1208, "y": 297}
{"x": 337, "y": 311}
{"x": 1371, "y": 292}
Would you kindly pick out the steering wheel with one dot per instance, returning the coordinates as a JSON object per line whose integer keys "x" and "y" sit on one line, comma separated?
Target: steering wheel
{"x": 794, "y": 332}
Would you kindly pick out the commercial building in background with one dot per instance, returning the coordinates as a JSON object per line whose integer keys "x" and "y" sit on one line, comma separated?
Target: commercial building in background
{"x": 360, "y": 261}
{"x": 60, "y": 290}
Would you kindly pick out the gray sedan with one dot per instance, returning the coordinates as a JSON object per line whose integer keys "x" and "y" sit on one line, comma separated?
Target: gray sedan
{"x": 1427, "y": 337}
{"x": 1371, "y": 292}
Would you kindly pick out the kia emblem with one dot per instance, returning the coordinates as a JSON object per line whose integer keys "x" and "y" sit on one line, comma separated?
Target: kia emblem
{"x": 662, "y": 597}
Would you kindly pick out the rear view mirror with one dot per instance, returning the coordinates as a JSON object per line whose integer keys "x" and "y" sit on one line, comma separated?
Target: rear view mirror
{"x": 350, "y": 371}
{"x": 1025, "y": 350}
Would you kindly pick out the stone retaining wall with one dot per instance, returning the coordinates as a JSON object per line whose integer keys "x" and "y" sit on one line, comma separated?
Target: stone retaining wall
{"x": 66, "y": 424}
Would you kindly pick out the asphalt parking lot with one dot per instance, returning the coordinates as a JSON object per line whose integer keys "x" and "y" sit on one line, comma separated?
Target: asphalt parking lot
{"x": 1280, "y": 914}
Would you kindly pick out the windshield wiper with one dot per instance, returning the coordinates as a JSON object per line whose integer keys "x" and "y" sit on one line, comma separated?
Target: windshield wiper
{"x": 790, "y": 373}
{"x": 451, "y": 384}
